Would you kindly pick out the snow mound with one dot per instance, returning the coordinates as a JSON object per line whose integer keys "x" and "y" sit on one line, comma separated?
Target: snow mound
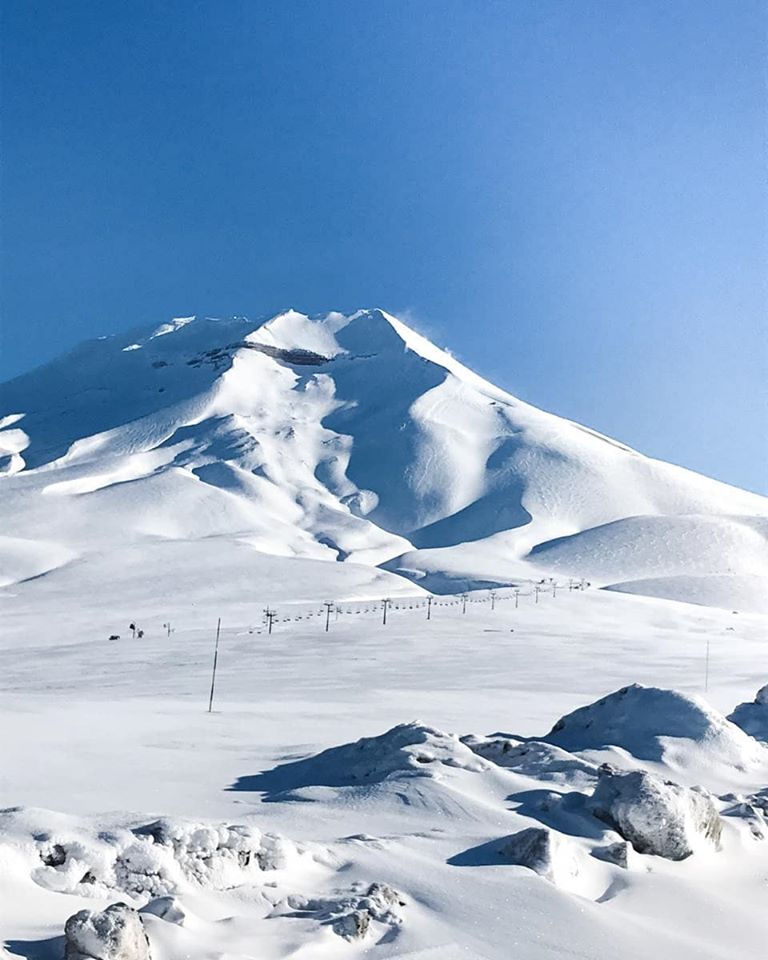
{"x": 406, "y": 751}
{"x": 659, "y": 725}
{"x": 116, "y": 933}
{"x": 656, "y": 816}
{"x": 22, "y": 559}
{"x": 752, "y": 718}
{"x": 644, "y": 548}
{"x": 747, "y": 593}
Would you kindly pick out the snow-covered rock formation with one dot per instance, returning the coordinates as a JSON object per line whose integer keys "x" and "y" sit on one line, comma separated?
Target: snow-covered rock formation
{"x": 656, "y": 816}
{"x": 545, "y": 852}
{"x": 116, "y": 933}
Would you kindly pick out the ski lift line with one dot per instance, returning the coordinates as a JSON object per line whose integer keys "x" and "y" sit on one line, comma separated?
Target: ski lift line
{"x": 536, "y": 591}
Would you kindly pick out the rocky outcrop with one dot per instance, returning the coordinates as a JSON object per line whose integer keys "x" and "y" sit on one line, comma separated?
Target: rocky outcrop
{"x": 545, "y": 852}
{"x": 116, "y": 933}
{"x": 656, "y": 816}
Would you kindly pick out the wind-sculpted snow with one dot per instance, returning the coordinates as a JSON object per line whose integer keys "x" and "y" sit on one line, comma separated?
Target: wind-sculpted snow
{"x": 352, "y": 439}
{"x": 408, "y": 750}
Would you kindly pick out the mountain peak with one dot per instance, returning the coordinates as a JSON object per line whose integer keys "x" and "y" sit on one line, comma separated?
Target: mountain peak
{"x": 353, "y": 438}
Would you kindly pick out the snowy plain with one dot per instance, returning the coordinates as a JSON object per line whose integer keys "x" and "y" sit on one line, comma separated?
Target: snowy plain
{"x": 177, "y": 477}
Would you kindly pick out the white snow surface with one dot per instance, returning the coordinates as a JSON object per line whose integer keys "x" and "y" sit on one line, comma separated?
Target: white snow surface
{"x": 264, "y": 824}
{"x": 205, "y": 469}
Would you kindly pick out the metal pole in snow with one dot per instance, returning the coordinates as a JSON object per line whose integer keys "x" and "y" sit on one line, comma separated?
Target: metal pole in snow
{"x": 706, "y": 669}
{"x": 215, "y": 662}
{"x": 327, "y": 606}
{"x": 429, "y": 608}
{"x": 517, "y": 598}
{"x": 493, "y": 599}
{"x": 536, "y": 589}
{"x": 386, "y": 604}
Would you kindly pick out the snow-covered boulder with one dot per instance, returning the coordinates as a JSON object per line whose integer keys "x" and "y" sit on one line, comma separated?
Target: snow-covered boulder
{"x": 545, "y": 852}
{"x": 116, "y": 933}
{"x": 353, "y": 925}
{"x": 656, "y": 816}
{"x": 753, "y": 717}
{"x": 658, "y": 725}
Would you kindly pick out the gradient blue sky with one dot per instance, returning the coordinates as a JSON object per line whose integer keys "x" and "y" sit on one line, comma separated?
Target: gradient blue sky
{"x": 569, "y": 194}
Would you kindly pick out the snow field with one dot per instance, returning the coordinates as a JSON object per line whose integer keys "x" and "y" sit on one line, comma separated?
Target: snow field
{"x": 122, "y": 726}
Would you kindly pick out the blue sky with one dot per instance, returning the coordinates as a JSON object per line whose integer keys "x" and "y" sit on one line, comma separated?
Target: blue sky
{"x": 568, "y": 194}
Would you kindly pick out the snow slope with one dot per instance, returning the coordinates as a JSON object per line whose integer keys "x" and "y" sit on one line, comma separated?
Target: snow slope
{"x": 348, "y": 439}
{"x": 252, "y": 832}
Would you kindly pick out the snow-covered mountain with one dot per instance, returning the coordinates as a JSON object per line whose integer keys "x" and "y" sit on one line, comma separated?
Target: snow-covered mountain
{"x": 341, "y": 438}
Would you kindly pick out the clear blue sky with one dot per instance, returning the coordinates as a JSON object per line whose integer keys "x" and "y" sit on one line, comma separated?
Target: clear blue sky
{"x": 569, "y": 194}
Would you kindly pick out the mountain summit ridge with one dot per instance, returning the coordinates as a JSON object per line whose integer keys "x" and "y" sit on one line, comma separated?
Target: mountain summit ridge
{"x": 350, "y": 438}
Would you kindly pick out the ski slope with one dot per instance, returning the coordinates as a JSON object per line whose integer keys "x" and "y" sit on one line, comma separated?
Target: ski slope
{"x": 346, "y": 439}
